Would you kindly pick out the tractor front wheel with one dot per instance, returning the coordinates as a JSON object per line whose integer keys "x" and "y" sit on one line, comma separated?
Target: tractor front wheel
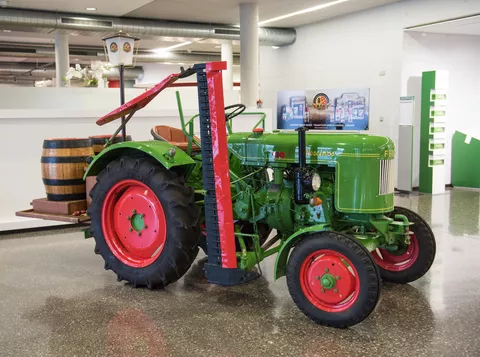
{"x": 333, "y": 279}
{"x": 144, "y": 221}
{"x": 411, "y": 262}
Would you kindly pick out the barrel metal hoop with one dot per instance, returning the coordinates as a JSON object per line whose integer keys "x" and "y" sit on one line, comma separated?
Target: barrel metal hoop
{"x": 60, "y": 182}
{"x": 67, "y": 144}
{"x": 64, "y": 159}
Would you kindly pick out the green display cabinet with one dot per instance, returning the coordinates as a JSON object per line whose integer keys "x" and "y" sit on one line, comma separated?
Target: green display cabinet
{"x": 433, "y": 132}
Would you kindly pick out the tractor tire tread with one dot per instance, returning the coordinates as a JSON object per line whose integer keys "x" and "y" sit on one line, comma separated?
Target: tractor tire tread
{"x": 181, "y": 247}
{"x": 369, "y": 273}
{"x": 427, "y": 245}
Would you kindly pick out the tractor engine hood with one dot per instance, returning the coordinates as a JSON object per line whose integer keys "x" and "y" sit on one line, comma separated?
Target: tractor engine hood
{"x": 282, "y": 147}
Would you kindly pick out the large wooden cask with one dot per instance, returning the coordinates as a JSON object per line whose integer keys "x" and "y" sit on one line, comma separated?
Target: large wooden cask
{"x": 98, "y": 141}
{"x": 63, "y": 166}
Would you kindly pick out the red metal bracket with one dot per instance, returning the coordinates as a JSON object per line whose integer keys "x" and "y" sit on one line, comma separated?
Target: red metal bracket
{"x": 220, "y": 163}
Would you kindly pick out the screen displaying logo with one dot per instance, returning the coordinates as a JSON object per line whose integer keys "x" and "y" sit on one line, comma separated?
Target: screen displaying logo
{"x": 321, "y": 101}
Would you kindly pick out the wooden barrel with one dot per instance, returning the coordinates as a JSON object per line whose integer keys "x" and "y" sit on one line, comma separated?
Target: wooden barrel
{"x": 63, "y": 166}
{"x": 98, "y": 141}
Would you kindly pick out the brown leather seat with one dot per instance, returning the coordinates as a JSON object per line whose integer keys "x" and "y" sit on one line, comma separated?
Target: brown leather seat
{"x": 174, "y": 136}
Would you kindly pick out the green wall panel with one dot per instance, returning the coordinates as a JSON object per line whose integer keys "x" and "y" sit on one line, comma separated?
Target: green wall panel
{"x": 465, "y": 161}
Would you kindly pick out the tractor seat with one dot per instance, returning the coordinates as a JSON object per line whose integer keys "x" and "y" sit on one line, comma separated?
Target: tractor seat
{"x": 174, "y": 136}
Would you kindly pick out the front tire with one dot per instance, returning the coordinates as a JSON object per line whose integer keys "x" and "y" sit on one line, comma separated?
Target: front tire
{"x": 414, "y": 260}
{"x": 144, "y": 221}
{"x": 333, "y": 279}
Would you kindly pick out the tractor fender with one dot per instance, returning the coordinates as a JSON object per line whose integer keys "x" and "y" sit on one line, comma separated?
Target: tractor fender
{"x": 284, "y": 252}
{"x": 158, "y": 150}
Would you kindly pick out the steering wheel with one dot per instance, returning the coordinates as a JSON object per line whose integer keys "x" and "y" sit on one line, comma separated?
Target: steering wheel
{"x": 231, "y": 111}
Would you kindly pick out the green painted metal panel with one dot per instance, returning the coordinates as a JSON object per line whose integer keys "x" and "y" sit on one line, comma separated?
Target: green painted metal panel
{"x": 159, "y": 150}
{"x": 426, "y": 172}
{"x": 465, "y": 161}
{"x": 355, "y": 157}
{"x": 282, "y": 256}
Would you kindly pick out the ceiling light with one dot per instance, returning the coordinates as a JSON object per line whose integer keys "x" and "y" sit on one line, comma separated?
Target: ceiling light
{"x": 166, "y": 49}
{"x": 91, "y": 8}
{"x": 7, "y": 30}
{"x": 275, "y": 47}
{"x": 301, "y": 12}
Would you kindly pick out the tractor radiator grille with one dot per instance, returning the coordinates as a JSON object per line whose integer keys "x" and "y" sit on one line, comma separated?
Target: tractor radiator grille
{"x": 386, "y": 181}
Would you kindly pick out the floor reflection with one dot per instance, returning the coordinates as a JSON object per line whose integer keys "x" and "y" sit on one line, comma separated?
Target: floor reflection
{"x": 57, "y": 301}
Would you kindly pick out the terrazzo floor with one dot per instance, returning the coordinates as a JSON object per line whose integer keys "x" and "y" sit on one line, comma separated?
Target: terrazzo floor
{"x": 57, "y": 300}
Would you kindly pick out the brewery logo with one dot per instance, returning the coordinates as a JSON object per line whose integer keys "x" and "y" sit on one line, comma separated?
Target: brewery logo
{"x": 113, "y": 47}
{"x": 321, "y": 101}
{"x": 127, "y": 47}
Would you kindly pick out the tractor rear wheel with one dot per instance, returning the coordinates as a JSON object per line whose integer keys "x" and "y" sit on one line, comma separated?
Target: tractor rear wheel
{"x": 410, "y": 262}
{"x": 333, "y": 279}
{"x": 144, "y": 221}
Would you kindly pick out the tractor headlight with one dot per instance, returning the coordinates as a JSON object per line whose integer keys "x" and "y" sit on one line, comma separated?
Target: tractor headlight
{"x": 316, "y": 182}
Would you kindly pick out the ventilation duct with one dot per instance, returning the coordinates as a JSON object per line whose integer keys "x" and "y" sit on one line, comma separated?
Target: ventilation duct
{"x": 25, "y": 71}
{"x": 89, "y": 25}
{"x": 86, "y": 55}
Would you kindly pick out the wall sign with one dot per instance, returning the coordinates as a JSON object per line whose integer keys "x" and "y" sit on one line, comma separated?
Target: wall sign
{"x": 333, "y": 109}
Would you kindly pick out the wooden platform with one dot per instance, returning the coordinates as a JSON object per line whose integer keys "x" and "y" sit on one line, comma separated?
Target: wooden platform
{"x": 42, "y": 205}
{"x": 30, "y": 213}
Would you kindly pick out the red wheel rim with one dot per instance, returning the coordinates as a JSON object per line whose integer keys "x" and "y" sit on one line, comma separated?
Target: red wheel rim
{"x": 133, "y": 223}
{"x": 329, "y": 280}
{"x": 398, "y": 262}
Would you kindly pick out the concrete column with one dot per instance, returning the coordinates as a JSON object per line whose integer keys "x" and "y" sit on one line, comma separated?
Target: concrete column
{"x": 249, "y": 53}
{"x": 62, "y": 58}
{"x": 227, "y": 56}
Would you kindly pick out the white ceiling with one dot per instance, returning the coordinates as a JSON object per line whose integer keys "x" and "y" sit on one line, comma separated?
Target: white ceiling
{"x": 207, "y": 11}
{"x": 104, "y": 7}
{"x": 227, "y": 11}
{"x": 466, "y": 26}
{"x": 215, "y": 11}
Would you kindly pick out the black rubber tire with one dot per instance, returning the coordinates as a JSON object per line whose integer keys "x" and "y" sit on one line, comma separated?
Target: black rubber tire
{"x": 362, "y": 260}
{"x": 426, "y": 254}
{"x": 181, "y": 213}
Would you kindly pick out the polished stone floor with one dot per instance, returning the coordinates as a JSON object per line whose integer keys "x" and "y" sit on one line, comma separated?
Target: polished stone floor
{"x": 57, "y": 300}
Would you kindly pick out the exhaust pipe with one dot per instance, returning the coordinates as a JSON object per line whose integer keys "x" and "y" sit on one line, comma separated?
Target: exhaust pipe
{"x": 302, "y": 163}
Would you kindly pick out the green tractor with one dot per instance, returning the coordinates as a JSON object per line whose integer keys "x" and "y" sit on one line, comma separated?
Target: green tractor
{"x": 329, "y": 198}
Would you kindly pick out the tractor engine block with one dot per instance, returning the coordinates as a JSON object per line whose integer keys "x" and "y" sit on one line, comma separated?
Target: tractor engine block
{"x": 274, "y": 204}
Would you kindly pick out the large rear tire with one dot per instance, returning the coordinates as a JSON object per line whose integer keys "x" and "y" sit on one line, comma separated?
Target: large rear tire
{"x": 144, "y": 221}
{"x": 412, "y": 261}
{"x": 333, "y": 279}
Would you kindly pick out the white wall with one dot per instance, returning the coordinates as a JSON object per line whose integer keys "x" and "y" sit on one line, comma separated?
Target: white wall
{"x": 459, "y": 55}
{"x": 352, "y": 51}
{"x": 155, "y": 72}
{"x": 30, "y": 115}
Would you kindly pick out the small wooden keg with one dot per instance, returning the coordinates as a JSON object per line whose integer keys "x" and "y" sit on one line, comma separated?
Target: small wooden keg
{"x": 63, "y": 166}
{"x": 98, "y": 141}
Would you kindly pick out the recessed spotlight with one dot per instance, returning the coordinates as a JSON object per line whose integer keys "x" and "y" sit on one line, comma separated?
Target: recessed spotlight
{"x": 91, "y": 8}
